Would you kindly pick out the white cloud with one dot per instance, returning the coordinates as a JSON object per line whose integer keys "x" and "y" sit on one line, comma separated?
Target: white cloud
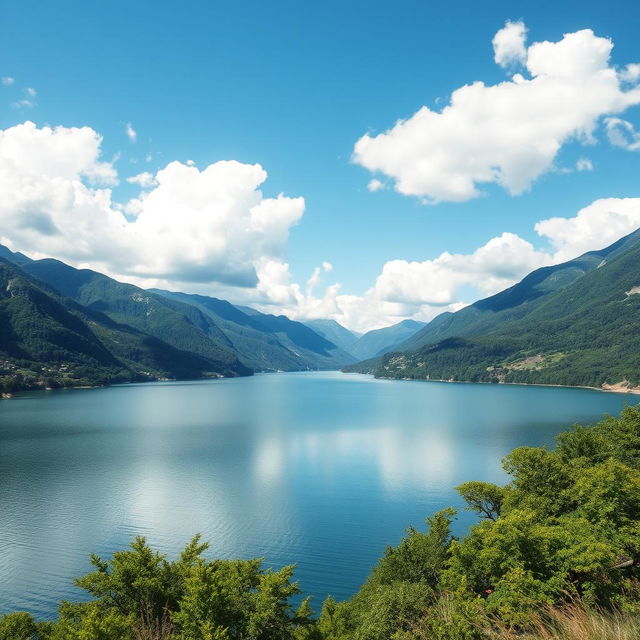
{"x": 509, "y": 44}
{"x": 594, "y": 227}
{"x": 584, "y": 164}
{"x": 131, "y": 132}
{"x": 621, "y": 133}
{"x": 490, "y": 268}
{"x": 509, "y": 133}
{"x": 30, "y": 91}
{"x": 422, "y": 290}
{"x": 214, "y": 232}
{"x": 375, "y": 185}
{"x": 145, "y": 180}
{"x": 193, "y": 226}
{"x": 631, "y": 73}
{"x": 7, "y": 80}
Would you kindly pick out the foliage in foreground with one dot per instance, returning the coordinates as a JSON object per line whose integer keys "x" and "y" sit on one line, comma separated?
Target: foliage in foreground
{"x": 554, "y": 556}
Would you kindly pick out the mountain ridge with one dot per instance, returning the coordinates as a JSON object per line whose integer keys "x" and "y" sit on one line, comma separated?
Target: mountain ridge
{"x": 580, "y": 332}
{"x": 47, "y": 340}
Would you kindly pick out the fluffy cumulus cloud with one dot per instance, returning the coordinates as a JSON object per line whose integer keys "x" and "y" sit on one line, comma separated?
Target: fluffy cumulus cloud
{"x": 422, "y": 290}
{"x": 212, "y": 231}
{"x": 490, "y": 268}
{"x": 509, "y": 133}
{"x": 509, "y": 45}
{"x": 595, "y": 226}
{"x": 187, "y": 226}
{"x": 375, "y": 185}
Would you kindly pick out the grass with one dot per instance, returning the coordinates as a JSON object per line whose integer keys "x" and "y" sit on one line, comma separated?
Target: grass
{"x": 574, "y": 621}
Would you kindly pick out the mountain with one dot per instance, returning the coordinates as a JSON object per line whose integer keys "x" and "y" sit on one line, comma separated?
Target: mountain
{"x": 47, "y": 340}
{"x": 228, "y": 339}
{"x": 572, "y": 324}
{"x": 16, "y": 258}
{"x": 301, "y": 340}
{"x": 516, "y": 301}
{"x": 334, "y": 332}
{"x": 264, "y": 342}
{"x": 376, "y": 342}
{"x": 182, "y": 326}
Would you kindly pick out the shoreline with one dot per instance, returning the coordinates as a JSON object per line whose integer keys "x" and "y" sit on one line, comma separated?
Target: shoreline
{"x": 613, "y": 388}
{"x": 13, "y": 394}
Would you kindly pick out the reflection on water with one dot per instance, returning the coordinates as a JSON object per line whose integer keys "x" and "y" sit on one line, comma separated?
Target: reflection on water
{"x": 321, "y": 469}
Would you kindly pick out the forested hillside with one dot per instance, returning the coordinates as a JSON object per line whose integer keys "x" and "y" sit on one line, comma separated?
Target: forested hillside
{"x": 123, "y": 332}
{"x": 47, "y": 340}
{"x": 574, "y": 324}
{"x": 334, "y": 332}
{"x": 516, "y": 301}
{"x": 266, "y": 342}
{"x": 182, "y": 326}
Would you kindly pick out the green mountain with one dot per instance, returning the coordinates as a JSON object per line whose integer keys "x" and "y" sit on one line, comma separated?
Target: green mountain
{"x": 179, "y": 325}
{"x": 47, "y": 340}
{"x": 375, "y": 343}
{"x": 574, "y": 324}
{"x": 516, "y": 301}
{"x": 227, "y": 339}
{"x": 14, "y": 257}
{"x": 334, "y": 332}
{"x": 262, "y": 343}
{"x": 316, "y": 350}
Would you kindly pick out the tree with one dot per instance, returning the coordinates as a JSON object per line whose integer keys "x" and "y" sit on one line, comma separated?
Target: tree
{"x": 484, "y": 498}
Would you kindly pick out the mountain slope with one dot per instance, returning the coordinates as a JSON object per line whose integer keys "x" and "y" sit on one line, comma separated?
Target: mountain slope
{"x": 182, "y": 326}
{"x": 379, "y": 341}
{"x": 46, "y": 340}
{"x": 334, "y": 332}
{"x": 516, "y": 301}
{"x": 585, "y": 333}
{"x": 319, "y": 352}
{"x": 257, "y": 346}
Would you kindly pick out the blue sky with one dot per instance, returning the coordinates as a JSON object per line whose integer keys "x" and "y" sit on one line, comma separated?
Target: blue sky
{"x": 293, "y": 86}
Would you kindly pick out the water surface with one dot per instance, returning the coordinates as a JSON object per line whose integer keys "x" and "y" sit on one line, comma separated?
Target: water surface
{"x": 320, "y": 469}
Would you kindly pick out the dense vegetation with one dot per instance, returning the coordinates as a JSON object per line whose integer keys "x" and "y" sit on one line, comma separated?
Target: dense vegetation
{"x": 66, "y": 327}
{"x": 266, "y": 342}
{"x": 574, "y": 324}
{"x": 47, "y": 340}
{"x": 555, "y": 554}
{"x": 149, "y": 334}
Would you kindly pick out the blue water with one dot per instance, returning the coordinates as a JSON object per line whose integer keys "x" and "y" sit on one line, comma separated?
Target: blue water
{"x": 320, "y": 469}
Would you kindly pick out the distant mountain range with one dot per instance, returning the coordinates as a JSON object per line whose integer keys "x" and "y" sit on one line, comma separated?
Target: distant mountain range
{"x": 266, "y": 342}
{"x": 575, "y": 323}
{"x": 334, "y": 332}
{"x": 61, "y": 326}
{"x": 368, "y": 345}
{"x": 379, "y": 341}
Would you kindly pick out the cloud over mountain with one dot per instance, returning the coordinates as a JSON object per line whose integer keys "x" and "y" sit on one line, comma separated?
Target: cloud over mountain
{"x": 189, "y": 226}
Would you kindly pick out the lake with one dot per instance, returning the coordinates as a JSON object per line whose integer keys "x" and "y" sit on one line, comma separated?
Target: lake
{"x": 319, "y": 469}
